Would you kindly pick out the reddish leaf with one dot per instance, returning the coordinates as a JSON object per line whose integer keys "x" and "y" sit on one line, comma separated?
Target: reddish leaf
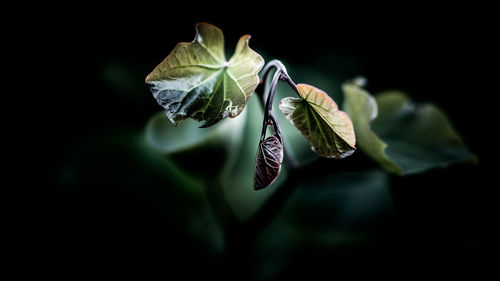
{"x": 268, "y": 164}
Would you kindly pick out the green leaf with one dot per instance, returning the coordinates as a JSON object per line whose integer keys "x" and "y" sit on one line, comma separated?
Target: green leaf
{"x": 362, "y": 108}
{"x": 223, "y": 153}
{"x": 205, "y": 152}
{"x": 118, "y": 174}
{"x": 317, "y": 117}
{"x": 296, "y": 144}
{"x": 195, "y": 80}
{"x": 330, "y": 214}
{"x": 403, "y": 137}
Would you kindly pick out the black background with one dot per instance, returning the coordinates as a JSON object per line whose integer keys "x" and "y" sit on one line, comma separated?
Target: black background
{"x": 439, "y": 55}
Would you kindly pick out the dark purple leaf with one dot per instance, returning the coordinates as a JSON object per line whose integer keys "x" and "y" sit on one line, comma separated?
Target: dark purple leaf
{"x": 268, "y": 163}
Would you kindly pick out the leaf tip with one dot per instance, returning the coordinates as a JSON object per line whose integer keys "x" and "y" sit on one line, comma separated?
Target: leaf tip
{"x": 246, "y": 37}
{"x": 347, "y": 153}
{"x": 256, "y": 186}
{"x": 202, "y": 24}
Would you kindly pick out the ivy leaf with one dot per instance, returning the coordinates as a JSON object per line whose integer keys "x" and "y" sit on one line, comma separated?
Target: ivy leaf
{"x": 268, "y": 163}
{"x": 404, "y": 137}
{"x": 317, "y": 117}
{"x": 195, "y": 80}
{"x": 362, "y": 107}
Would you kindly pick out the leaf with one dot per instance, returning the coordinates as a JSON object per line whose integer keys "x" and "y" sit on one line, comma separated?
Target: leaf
{"x": 162, "y": 136}
{"x": 195, "y": 80}
{"x": 268, "y": 162}
{"x": 335, "y": 214}
{"x": 224, "y": 152}
{"x": 199, "y": 152}
{"x": 297, "y": 145}
{"x": 362, "y": 108}
{"x": 239, "y": 179}
{"x": 317, "y": 117}
{"x": 405, "y": 138}
{"x": 117, "y": 175}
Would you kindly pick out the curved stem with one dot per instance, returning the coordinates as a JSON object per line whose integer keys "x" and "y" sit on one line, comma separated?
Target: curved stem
{"x": 267, "y": 68}
{"x": 281, "y": 74}
{"x": 272, "y": 91}
{"x": 274, "y": 63}
{"x": 290, "y": 82}
{"x": 269, "y": 103}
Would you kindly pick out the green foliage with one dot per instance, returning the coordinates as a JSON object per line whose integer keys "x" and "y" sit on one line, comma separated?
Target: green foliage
{"x": 403, "y": 137}
{"x": 223, "y": 154}
{"x": 192, "y": 187}
{"x": 238, "y": 179}
{"x": 362, "y": 108}
{"x": 186, "y": 142}
{"x": 316, "y": 116}
{"x": 195, "y": 80}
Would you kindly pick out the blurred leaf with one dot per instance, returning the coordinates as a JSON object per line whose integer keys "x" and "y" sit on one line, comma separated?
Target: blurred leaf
{"x": 118, "y": 181}
{"x": 195, "y": 80}
{"x": 362, "y": 108}
{"x": 268, "y": 162}
{"x": 206, "y": 152}
{"x": 404, "y": 138}
{"x": 326, "y": 214}
{"x": 238, "y": 178}
{"x": 225, "y": 151}
{"x": 316, "y": 116}
{"x": 419, "y": 137}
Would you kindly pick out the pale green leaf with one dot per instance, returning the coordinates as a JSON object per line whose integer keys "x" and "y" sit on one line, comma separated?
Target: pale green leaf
{"x": 239, "y": 178}
{"x": 207, "y": 152}
{"x": 317, "y": 117}
{"x": 195, "y": 80}
{"x": 403, "y": 137}
{"x": 362, "y": 108}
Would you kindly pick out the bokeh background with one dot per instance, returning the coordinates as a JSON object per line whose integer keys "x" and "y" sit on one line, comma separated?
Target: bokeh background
{"x": 113, "y": 202}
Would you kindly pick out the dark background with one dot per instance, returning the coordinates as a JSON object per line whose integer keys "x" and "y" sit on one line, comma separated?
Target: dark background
{"x": 437, "y": 55}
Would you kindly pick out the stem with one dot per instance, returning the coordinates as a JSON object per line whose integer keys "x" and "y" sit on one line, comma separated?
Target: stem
{"x": 281, "y": 74}
{"x": 272, "y": 91}
{"x": 274, "y": 63}
{"x": 286, "y": 78}
{"x": 276, "y": 126}
{"x": 268, "y": 107}
{"x": 239, "y": 235}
